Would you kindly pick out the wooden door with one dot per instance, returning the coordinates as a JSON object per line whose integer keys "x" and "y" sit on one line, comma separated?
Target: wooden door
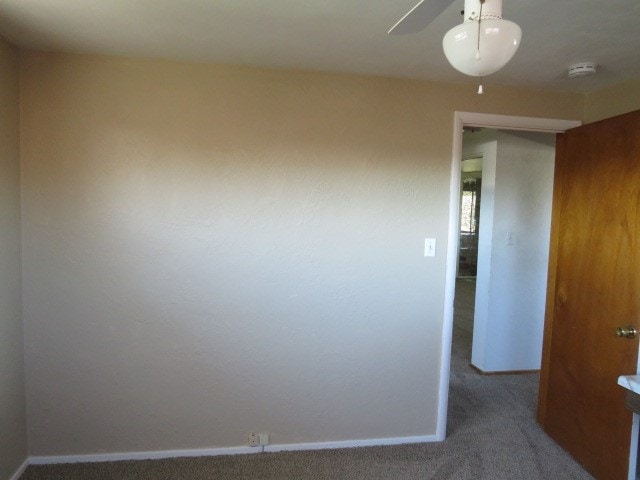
{"x": 594, "y": 287}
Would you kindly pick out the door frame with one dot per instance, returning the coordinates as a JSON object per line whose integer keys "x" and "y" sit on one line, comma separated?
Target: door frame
{"x": 483, "y": 120}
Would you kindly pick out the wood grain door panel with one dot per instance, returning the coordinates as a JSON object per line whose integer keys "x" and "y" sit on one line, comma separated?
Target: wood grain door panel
{"x": 594, "y": 287}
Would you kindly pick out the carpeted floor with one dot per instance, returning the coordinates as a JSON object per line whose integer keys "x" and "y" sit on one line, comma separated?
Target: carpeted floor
{"x": 491, "y": 434}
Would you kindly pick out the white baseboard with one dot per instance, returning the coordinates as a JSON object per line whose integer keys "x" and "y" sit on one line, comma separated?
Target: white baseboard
{"x": 212, "y": 452}
{"x": 20, "y": 470}
{"x": 369, "y": 442}
{"x": 154, "y": 455}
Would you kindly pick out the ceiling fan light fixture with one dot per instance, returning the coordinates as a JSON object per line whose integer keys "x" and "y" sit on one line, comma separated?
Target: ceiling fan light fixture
{"x": 480, "y": 50}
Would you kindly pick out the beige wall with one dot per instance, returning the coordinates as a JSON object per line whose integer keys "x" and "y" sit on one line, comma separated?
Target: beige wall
{"x": 211, "y": 251}
{"x": 613, "y": 101}
{"x": 13, "y": 438}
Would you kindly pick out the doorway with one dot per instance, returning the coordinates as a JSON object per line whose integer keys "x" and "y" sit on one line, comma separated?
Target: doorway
{"x": 462, "y": 119}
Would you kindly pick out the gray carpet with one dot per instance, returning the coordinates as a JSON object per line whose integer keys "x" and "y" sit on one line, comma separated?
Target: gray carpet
{"x": 491, "y": 434}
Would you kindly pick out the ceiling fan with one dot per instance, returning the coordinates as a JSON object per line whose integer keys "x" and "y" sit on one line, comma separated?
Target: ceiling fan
{"x": 480, "y": 46}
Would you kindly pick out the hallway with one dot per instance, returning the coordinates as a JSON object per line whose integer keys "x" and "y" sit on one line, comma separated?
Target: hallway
{"x": 492, "y": 417}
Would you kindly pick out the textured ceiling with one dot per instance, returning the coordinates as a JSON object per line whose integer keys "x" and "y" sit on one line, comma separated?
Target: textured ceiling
{"x": 334, "y": 35}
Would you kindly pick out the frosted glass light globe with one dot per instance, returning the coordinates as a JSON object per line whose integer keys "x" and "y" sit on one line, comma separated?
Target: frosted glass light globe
{"x": 499, "y": 41}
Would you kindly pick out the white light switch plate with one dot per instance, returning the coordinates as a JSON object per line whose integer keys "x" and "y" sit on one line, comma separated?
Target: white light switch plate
{"x": 429, "y": 247}
{"x": 509, "y": 238}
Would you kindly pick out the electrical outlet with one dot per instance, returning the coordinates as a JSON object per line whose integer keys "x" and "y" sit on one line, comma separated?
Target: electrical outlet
{"x": 258, "y": 439}
{"x": 253, "y": 440}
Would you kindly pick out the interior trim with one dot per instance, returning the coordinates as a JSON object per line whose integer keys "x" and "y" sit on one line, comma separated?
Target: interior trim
{"x": 211, "y": 452}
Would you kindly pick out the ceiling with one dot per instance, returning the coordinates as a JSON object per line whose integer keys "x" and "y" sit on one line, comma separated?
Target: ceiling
{"x": 335, "y": 36}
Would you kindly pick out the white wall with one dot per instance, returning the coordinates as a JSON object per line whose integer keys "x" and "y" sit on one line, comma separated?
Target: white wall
{"x": 483, "y": 143}
{"x": 511, "y": 285}
{"x": 210, "y": 251}
{"x": 13, "y": 438}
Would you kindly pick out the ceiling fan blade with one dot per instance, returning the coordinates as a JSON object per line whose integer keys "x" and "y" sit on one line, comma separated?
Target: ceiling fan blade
{"x": 419, "y": 16}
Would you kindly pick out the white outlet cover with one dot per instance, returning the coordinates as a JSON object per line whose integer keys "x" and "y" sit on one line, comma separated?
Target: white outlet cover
{"x": 253, "y": 440}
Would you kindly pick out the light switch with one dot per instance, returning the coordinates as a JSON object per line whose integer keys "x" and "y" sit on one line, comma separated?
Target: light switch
{"x": 429, "y": 247}
{"x": 509, "y": 239}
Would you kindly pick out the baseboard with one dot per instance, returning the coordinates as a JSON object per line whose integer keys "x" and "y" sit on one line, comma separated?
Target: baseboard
{"x": 370, "y": 442}
{"x": 20, "y": 470}
{"x": 504, "y": 372}
{"x": 212, "y": 452}
{"x": 153, "y": 455}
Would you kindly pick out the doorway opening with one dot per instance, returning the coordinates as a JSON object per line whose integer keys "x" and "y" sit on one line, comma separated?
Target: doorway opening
{"x": 462, "y": 119}
{"x": 505, "y": 219}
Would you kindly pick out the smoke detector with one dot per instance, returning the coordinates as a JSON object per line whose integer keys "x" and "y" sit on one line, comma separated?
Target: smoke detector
{"x": 582, "y": 69}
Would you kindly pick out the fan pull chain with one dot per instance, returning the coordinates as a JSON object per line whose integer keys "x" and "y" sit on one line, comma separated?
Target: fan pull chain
{"x": 480, "y": 90}
{"x": 479, "y": 22}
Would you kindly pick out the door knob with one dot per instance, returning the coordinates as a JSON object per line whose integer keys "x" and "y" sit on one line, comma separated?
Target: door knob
{"x": 626, "y": 332}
